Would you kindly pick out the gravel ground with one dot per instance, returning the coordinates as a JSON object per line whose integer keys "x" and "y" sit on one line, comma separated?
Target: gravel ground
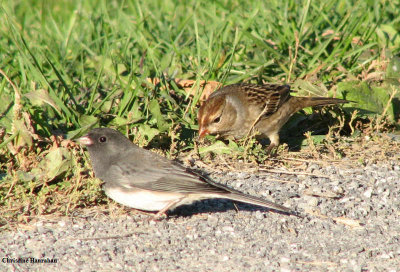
{"x": 352, "y": 223}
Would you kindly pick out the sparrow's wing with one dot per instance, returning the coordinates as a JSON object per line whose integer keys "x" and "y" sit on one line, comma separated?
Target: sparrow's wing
{"x": 269, "y": 97}
{"x": 139, "y": 168}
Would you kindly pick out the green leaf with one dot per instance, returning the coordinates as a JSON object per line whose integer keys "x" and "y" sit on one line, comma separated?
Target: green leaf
{"x": 24, "y": 176}
{"x": 389, "y": 33}
{"x": 125, "y": 102}
{"x": 57, "y": 162}
{"x": 40, "y": 97}
{"x": 218, "y": 148}
{"x": 369, "y": 99}
{"x": 87, "y": 122}
{"x": 155, "y": 110}
{"x": 317, "y": 139}
{"x": 6, "y": 111}
{"x": 135, "y": 114}
{"x": 393, "y": 71}
{"x": 118, "y": 121}
{"x": 146, "y": 134}
{"x": 106, "y": 106}
{"x": 24, "y": 135}
{"x": 306, "y": 88}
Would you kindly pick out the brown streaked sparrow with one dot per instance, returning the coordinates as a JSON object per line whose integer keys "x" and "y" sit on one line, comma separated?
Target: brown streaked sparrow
{"x": 234, "y": 110}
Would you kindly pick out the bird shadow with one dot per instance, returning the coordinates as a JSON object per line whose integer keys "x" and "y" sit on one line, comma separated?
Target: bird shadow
{"x": 217, "y": 206}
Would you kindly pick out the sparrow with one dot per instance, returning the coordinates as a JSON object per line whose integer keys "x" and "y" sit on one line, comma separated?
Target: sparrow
{"x": 144, "y": 180}
{"x": 235, "y": 110}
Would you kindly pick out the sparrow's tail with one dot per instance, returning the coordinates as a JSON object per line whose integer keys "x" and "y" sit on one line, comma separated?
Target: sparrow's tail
{"x": 303, "y": 102}
{"x": 259, "y": 202}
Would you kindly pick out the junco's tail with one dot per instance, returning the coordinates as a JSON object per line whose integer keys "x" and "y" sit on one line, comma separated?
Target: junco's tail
{"x": 259, "y": 202}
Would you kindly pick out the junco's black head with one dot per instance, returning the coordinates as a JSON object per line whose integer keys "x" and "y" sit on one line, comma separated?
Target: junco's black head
{"x": 105, "y": 142}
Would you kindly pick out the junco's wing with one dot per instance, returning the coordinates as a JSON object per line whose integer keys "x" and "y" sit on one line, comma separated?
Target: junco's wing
{"x": 138, "y": 168}
{"x": 158, "y": 174}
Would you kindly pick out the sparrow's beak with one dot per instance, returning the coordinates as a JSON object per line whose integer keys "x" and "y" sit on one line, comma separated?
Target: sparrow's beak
{"x": 203, "y": 132}
{"x": 85, "y": 140}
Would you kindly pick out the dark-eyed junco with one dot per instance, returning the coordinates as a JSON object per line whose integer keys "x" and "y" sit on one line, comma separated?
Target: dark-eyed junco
{"x": 232, "y": 111}
{"x": 144, "y": 180}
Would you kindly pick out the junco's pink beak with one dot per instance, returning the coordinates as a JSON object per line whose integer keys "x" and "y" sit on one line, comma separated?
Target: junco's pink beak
{"x": 203, "y": 132}
{"x": 85, "y": 140}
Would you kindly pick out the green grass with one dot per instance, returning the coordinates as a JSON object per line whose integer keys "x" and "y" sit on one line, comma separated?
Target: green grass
{"x": 82, "y": 64}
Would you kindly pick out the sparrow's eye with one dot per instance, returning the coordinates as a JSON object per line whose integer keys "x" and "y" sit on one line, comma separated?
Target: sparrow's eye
{"x": 102, "y": 139}
{"x": 217, "y": 120}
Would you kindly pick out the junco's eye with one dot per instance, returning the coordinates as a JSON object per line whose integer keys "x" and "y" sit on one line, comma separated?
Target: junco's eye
{"x": 216, "y": 120}
{"x": 102, "y": 139}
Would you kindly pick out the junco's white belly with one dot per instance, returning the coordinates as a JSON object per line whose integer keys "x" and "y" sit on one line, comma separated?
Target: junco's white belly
{"x": 142, "y": 199}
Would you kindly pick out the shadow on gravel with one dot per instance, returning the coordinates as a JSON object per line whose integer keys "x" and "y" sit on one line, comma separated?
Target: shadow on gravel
{"x": 216, "y": 206}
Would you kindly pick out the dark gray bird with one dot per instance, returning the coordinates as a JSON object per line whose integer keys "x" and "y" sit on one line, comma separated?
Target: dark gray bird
{"x": 144, "y": 180}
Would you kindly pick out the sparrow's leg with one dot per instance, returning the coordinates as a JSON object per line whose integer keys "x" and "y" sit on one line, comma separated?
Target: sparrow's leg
{"x": 271, "y": 149}
{"x": 273, "y": 146}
